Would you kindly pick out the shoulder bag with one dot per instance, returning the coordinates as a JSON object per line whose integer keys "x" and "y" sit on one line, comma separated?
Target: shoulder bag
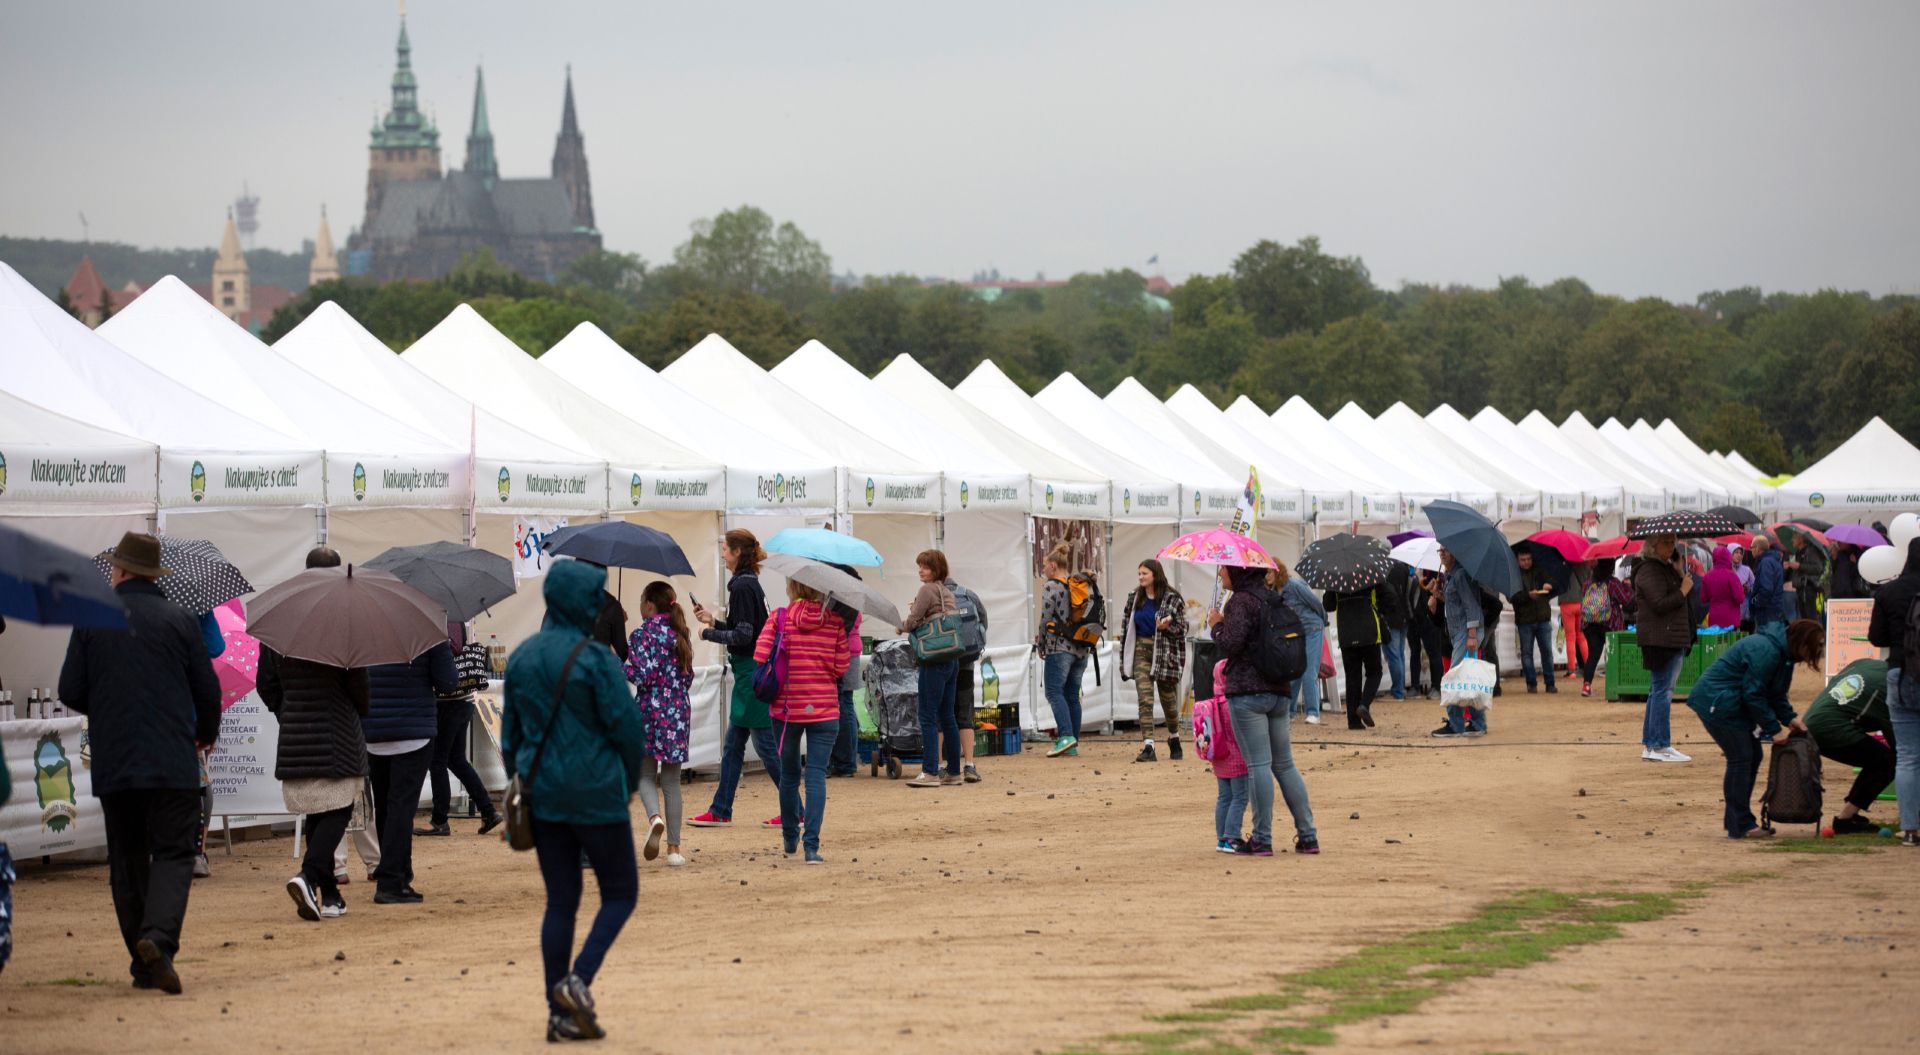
{"x": 518, "y": 801}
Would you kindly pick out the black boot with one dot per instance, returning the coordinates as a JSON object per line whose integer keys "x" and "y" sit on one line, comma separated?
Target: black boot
{"x": 1146, "y": 754}
{"x": 1173, "y": 748}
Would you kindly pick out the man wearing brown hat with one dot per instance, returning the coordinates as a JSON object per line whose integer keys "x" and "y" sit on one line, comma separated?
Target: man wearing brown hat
{"x": 151, "y": 696}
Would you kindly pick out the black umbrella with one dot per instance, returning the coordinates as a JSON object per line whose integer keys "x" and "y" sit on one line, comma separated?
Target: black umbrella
{"x": 46, "y": 583}
{"x": 201, "y": 577}
{"x": 619, "y": 544}
{"x": 1684, "y": 523}
{"x": 1740, "y": 515}
{"x": 1817, "y": 525}
{"x": 1345, "y": 563}
{"x": 463, "y": 580}
{"x": 1548, "y": 559}
{"x": 1476, "y": 544}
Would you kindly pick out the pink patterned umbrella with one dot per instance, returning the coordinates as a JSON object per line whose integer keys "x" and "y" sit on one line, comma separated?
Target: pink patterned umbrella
{"x": 239, "y": 666}
{"x": 1218, "y": 546}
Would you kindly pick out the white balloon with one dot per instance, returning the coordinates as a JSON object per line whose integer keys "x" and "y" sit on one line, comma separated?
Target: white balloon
{"x": 1882, "y": 564}
{"x": 1904, "y": 529}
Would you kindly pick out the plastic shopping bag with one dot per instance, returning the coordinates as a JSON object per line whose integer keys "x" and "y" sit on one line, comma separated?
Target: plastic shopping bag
{"x": 1468, "y": 684}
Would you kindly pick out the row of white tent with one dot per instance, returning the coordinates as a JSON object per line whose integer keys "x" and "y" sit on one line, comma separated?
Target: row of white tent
{"x": 171, "y": 416}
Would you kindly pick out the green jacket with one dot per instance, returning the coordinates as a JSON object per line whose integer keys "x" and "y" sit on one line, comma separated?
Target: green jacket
{"x": 592, "y": 762}
{"x": 1748, "y": 684}
{"x": 1852, "y": 705}
{"x": 1529, "y": 607}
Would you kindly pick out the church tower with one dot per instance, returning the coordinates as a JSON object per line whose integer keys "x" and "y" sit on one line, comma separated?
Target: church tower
{"x": 406, "y": 145}
{"x": 231, "y": 291}
{"x": 570, "y": 163}
{"x": 480, "y": 159}
{"x": 325, "y": 266}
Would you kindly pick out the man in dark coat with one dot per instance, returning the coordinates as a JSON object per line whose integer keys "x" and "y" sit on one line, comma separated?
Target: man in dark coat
{"x": 402, "y": 717}
{"x": 1395, "y": 612}
{"x": 1767, "y": 602}
{"x": 152, "y": 698}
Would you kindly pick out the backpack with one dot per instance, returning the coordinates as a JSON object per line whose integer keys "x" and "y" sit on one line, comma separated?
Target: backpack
{"x": 1596, "y": 605}
{"x": 1086, "y": 610}
{"x": 1793, "y": 783}
{"x": 1279, "y": 648}
{"x": 1910, "y": 646}
{"x": 973, "y": 630}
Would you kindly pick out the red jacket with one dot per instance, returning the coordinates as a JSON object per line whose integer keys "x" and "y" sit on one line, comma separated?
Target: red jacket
{"x": 815, "y": 643}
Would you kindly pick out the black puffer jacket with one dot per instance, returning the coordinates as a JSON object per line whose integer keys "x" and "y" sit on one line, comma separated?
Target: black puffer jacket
{"x": 1665, "y": 618}
{"x": 403, "y": 696}
{"x": 1888, "y": 626}
{"x": 319, "y": 708}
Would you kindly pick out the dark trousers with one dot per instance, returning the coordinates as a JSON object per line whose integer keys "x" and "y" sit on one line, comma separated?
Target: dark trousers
{"x": 324, "y": 832}
{"x": 1362, "y": 666}
{"x": 396, "y": 798}
{"x": 939, "y": 730}
{"x": 1744, "y": 755}
{"x": 609, "y": 850}
{"x": 1426, "y": 635}
{"x": 1875, "y": 761}
{"x": 450, "y": 754}
{"x": 150, "y": 838}
{"x": 1596, "y": 641}
{"x": 846, "y": 759}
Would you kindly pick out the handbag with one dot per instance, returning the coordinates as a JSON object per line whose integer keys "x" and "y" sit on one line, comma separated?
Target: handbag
{"x": 517, "y": 804}
{"x": 940, "y": 638}
{"x": 768, "y": 677}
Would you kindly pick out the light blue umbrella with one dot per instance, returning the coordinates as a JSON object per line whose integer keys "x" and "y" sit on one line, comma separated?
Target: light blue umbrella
{"x": 826, "y": 545}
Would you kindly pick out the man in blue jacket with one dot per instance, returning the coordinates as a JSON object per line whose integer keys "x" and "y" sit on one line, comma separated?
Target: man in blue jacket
{"x": 400, "y": 724}
{"x": 1768, "y": 603}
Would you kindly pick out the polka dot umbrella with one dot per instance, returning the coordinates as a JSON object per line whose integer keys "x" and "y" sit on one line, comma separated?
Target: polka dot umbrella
{"x": 1345, "y": 563}
{"x": 1683, "y": 523}
{"x": 201, "y": 577}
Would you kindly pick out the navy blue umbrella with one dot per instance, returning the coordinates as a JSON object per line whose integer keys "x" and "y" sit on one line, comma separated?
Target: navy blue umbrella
{"x": 619, "y": 544}
{"x": 41, "y": 582}
{"x": 1548, "y": 559}
{"x": 1476, "y": 544}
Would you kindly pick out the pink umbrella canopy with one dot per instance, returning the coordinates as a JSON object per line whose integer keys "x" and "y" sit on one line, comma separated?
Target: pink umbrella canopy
{"x": 1218, "y": 546}
{"x": 1571, "y": 545}
{"x": 238, "y": 668}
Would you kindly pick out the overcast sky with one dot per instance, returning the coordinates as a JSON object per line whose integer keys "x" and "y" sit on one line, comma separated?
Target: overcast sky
{"x": 1655, "y": 148}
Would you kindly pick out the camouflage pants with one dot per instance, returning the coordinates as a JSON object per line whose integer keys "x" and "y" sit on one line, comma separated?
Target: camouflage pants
{"x": 1145, "y": 687}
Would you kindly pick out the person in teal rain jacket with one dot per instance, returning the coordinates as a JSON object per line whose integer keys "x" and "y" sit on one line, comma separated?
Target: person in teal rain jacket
{"x": 1746, "y": 690}
{"x": 580, "y": 786}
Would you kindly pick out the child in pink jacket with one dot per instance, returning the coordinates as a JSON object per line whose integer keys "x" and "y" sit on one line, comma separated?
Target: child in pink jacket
{"x": 1213, "y": 738}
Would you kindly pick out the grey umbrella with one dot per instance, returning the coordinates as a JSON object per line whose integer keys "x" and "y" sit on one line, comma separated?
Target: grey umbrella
{"x": 836, "y": 584}
{"x": 463, "y": 580}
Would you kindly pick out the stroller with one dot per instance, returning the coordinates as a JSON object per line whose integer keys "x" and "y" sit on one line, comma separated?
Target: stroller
{"x": 892, "y": 681}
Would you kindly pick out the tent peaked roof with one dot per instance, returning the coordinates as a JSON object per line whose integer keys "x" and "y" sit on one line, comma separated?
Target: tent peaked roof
{"x": 1249, "y": 437}
{"x": 1521, "y": 460}
{"x": 1740, "y": 462}
{"x": 50, "y": 359}
{"x": 1689, "y": 489}
{"x": 718, "y": 373}
{"x": 815, "y": 371}
{"x": 331, "y": 344}
{"x": 1069, "y": 398}
{"x": 591, "y": 361}
{"x": 465, "y": 353}
{"x": 1212, "y": 438}
{"x": 916, "y": 386}
{"x": 995, "y": 395}
{"x": 174, "y": 330}
{"x": 1875, "y": 469}
{"x": 1297, "y": 426}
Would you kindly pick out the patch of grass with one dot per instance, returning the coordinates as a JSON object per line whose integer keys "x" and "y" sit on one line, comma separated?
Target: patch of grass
{"x": 76, "y": 983}
{"x": 1397, "y": 976}
{"x": 1822, "y": 846}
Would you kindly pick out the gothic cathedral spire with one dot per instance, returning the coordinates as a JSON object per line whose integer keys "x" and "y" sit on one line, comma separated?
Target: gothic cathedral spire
{"x": 570, "y": 162}
{"x": 480, "y": 157}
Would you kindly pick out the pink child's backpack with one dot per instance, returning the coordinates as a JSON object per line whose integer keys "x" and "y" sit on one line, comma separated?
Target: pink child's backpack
{"x": 1213, "y": 731}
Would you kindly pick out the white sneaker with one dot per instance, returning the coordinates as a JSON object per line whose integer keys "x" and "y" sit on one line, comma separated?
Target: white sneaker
{"x": 1671, "y": 754}
{"x": 675, "y": 861}
{"x": 333, "y": 910}
{"x": 1648, "y": 754}
{"x": 1313, "y": 719}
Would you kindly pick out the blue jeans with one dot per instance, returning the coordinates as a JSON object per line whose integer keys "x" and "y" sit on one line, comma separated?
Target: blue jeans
{"x": 1266, "y": 741}
{"x": 1903, "y": 705}
{"x": 1230, "y": 809}
{"x": 937, "y": 718}
{"x": 845, "y": 758}
{"x": 1397, "y": 664}
{"x": 1534, "y": 635}
{"x": 1656, "y": 731}
{"x": 1063, "y": 673}
{"x": 1461, "y": 719}
{"x": 1306, "y": 688}
{"x": 733, "y": 761}
{"x": 609, "y": 849}
{"x": 1744, "y": 755}
{"x": 819, "y": 738}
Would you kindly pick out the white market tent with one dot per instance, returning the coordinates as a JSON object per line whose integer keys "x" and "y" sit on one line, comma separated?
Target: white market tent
{"x": 1741, "y": 488}
{"x": 1283, "y": 496}
{"x": 1209, "y": 492}
{"x": 1735, "y": 459}
{"x": 1443, "y": 464}
{"x": 1688, "y": 491}
{"x": 1602, "y": 492}
{"x": 60, "y": 466}
{"x": 1297, "y": 426}
{"x": 1874, "y": 475}
{"x": 763, "y": 473}
{"x": 1567, "y": 490}
{"x": 1641, "y": 496}
{"x": 1584, "y": 437}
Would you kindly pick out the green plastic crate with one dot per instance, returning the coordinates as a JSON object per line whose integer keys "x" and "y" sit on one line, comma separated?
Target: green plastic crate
{"x": 1626, "y": 675}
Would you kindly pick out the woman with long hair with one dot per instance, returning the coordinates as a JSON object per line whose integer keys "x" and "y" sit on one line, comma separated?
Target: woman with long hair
{"x": 1063, "y": 659}
{"x": 660, "y": 665}
{"x": 1746, "y": 690}
{"x": 747, "y": 717}
{"x": 1606, "y": 605}
{"x": 806, "y": 711}
{"x": 939, "y": 724}
{"x": 1664, "y": 631}
{"x": 1154, "y": 634}
{"x": 1313, "y": 622}
{"x": 1258, "y": 710}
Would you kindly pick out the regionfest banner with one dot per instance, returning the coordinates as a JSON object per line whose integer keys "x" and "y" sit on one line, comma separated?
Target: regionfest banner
{"x": 240, "y": 770}
{"x": 368, "y": 480}
{"x": 93, "y": 476}
{"x": 539, "y": 487}
{"x": 52, "y": 809}
{"x": 763, "y": 490}
{"x": 215, "y": 479}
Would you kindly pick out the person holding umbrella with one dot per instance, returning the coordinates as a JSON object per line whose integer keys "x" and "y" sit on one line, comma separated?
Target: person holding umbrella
{"x": 321, "y": 765}
{"x": 1460, "y": 602}
{"x": 1533, "y": 619}
{"x": 660, "y": 666}
{"x": 747, "y": 717}
{"x": 1808, "y": 567}
{"x": 152, "y": 697}
{"x": 808, "y": 645}
{"x": 1665, "y": 632}
{"x": 1258, "y": 709}
{"x": 1352, "y": 570}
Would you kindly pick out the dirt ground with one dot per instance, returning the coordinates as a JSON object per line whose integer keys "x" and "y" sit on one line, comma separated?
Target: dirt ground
{"x": 1057, "y": 902}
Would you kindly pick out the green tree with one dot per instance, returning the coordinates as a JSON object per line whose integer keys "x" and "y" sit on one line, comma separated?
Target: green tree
{"x": 1361, "y": 360}
{"x": 1739, "y": 427}
{"x": 1881, "y": 374}
{"x": 1457, "y": 339}
{"x": 947, "y": 331}
{"x": 608, "y": 272}
{"x": 762, "y": 329}
{"x": 744, "y": 251}
{"x": 1789, "y": 350}
{"x": 867, "y": 325}
{"x": 1641, "y": 360}
{"x": 479, "y": 273}
{"x": 64, "y": 303}
{"x": 534, "y": 323}
{"x": 1299, "y": 287}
